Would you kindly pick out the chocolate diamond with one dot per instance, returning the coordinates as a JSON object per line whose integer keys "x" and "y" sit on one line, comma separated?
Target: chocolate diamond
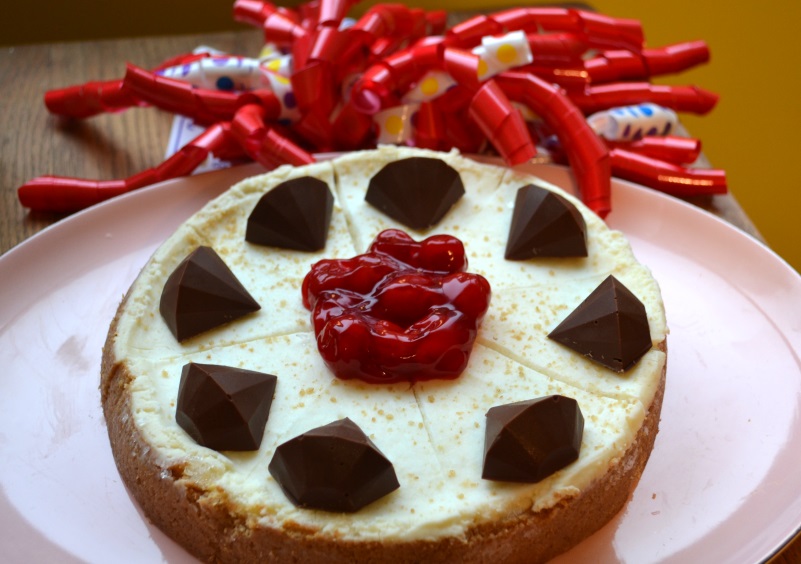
{"x": 293, "y": 215}
{"x": 203, "y": 293}
{"x": 334, "y": 468}
{"x": 529, "y": 440}
{"x": 224, "y": 408}
{"x": 610, "y": 327}
{"x": 417, "y": 191}
{"x": 544, "y": 224}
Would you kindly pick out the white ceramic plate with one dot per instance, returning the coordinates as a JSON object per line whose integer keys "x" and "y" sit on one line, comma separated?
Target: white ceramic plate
{"x": 723, "y": 483}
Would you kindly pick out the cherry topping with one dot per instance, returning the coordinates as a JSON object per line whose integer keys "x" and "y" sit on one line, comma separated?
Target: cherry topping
{"x": 403, "y": 311}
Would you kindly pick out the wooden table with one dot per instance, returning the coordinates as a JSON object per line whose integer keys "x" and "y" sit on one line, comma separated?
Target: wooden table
{"x": 33, "y": 143}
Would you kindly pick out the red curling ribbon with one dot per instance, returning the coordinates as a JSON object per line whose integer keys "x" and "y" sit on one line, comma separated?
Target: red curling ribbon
{"x": 539, "y": 19}
{"x": 666, "y": 177}
{"x": 182, "y": 163}
{"x": 612, "y": 66}
{"x": 457, "y": 98}
{"x": 253, "y": 12}
{"x": 462, "y": 66}
{"x": 316, "y": 129}
{"x": 336, "y": 48}
{"x": 281, "y": 150}
{"x": 502, "y": 124}
{"x": 556, "y": 48}
{"x": 610, "y": 32}
{"x": 670, "y": 148}
{"x": 351, "y": 128}
{"x": 219, "y": 139}
{"x": 63, "y": 194}
{"x": 332, "y": 11}
{"x": 385, "y": 27}
{"x": 300, "y": 50}
{"x": 377, "y": 20}
{"x": 569, "y": 78}
{"x": 328, "y": 45}
{"x": 314, "y": 88}
{"x": 617, "y": 65}
{"x": 278, "y": 27}
{"x": 203, "y": 106}
{"x": 324, "y": 55}
{"x": 372, "y": 92}
{"x": 248, "y": 127}
{"x": 87, "y": 100}
{"x": 462, "y": 132}
{"x": 598, "y": 30}
{"x": 675, "y": 58}
{"x": 680, "y": 98}
{"x": 437, "y": 21}
{"x": 381, "y": 84}
{"x": 262, "y": 142}
{"x": 429, "y": 128}
{"x": 402, "y": 21}
{"x": 265, "y": 98}
{"x": 385, "y": 46}
{"x": 97, "y": 97}
{"x": 419, "y": 26}
{"x": 587, "y": 154}
{"x": 308, "y": 12}
{"x": 409, "y": 65}
{"x": 469, "y": 33}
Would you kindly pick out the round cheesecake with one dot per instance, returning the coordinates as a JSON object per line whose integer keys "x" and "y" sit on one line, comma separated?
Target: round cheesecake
{"x": 227, "y": 506}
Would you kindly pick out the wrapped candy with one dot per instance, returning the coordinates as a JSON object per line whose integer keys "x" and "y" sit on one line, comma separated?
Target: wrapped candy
{"x": 630, "y": 123}
{"x": 326, "y": 82}
{"x": 219, "y": 72}
{"x": 500, "y": 53}
{"x": 394, "y": 125}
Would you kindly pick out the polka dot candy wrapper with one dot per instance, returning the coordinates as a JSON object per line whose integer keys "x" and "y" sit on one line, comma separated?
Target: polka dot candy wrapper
{"x": 516, "y": 83}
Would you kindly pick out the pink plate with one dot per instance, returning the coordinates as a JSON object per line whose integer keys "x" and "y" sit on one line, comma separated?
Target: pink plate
{"x": 722, "y": 484}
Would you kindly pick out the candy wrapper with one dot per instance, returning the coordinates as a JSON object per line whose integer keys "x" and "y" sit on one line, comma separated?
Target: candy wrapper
{"x": 394, "y": 125}
{"x": 631, "y": 123}
{"x": 183, "y": 131}
{"x": 502, "y": 53}
{"x": 327, "y": 82}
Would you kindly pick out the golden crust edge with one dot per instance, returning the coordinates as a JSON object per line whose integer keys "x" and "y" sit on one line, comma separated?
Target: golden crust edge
{"x": 210, "y": 528}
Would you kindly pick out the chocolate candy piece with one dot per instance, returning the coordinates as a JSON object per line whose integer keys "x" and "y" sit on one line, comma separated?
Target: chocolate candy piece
{"x": 293, "y": 215}
{"x": 224, "y": 408}
{"x": 335, "y": 467}
{"x": 203, "y": 293}
{"x": 610, "y": 327}
{"x": 528, "y": 441}
{"x": 417, "y": 191}
{"x": 544, "y": 224}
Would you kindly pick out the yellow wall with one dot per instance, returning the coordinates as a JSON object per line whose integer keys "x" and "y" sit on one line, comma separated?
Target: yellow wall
{"x": 755, "y": 67}
{"x": 754, "y": 133}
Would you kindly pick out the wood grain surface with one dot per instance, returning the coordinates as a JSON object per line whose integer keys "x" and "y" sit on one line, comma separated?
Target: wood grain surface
{"x": 33, "y": 143}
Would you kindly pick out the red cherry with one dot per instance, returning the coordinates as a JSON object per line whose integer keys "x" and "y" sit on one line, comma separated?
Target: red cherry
{"x": 404, "y": 311}
{"x": 438, "y": 253}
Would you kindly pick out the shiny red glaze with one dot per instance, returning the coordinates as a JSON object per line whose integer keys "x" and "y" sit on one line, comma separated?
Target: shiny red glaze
{"x": 403, "y": 311}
